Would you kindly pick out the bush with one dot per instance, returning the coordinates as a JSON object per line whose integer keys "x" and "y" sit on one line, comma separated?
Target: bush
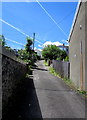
{"x": 67, "y": 58}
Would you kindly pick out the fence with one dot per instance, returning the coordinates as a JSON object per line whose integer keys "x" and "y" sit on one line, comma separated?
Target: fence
{"x": 62, "y": 67}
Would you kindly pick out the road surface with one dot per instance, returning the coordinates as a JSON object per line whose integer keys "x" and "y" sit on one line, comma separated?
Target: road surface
{"x": 55, "y": 99}
{"x": 47, "y": 96}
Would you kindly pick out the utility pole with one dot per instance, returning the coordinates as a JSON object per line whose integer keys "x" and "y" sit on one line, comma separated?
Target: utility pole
{"x": 33, "y": 40}
{"x": 63, "y": 46}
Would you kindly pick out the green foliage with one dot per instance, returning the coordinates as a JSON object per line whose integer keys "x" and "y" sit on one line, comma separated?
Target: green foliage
{"x": 26, "y": 54}
{"x": 9, "y": 48}
{"x": 23, "y": 55}
{"x": 68, "y": 82}
{"x": 28, "y": 45}
{"x": 2, "y": 40}
{"x": 51, "y": 52}
{"x": 45, "y": 63}
{"x": 67, "y": 58}
{"x": 53, "y": 72}
{"x": 83, "y": 92}
{"x": 63, "y": 55}
{"x": 59, "y": 58}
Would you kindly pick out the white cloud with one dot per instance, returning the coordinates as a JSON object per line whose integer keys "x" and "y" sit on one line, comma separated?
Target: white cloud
{"x": 40, "y": 49}
{"x": 65, "y": 41}
{"x": 51, "y": 43}
{"x": 37, "y": 49}
{"x": 40, "y": 46}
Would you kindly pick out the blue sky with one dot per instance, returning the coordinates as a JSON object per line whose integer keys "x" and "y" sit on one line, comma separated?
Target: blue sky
{"x": 30, "y": 18}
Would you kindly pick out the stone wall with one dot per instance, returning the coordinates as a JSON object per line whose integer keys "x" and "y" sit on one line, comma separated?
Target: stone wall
{"x": 13, "y": 73}
{"x": 0, "y": 85}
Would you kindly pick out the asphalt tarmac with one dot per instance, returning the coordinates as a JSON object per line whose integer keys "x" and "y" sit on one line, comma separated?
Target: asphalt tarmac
{"x": 55, "y": 99}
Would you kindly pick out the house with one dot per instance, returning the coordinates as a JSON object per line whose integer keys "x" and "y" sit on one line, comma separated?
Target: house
{"x": 78, "y": 48}
{"x": 64, "y": 47}
{"x": 39, "y": 52}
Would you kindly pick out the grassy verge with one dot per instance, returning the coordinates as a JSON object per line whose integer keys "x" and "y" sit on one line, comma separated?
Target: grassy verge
{"x": 68, "y": 82}
{"x": 52, "y": 71}
{"x": 45, "y": 63}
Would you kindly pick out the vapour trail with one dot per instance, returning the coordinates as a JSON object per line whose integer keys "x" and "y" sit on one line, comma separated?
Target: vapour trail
{"x": 51, "y": 18}
{"x": 14, "y": 41}
{"x": 14, "y": 27}
{"x": 17, "y": 29}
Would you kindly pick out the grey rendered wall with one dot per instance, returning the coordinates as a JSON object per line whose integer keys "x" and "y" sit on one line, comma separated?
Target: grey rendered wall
{"x": 86, "y": 46}
{"x": 77, "y": 61}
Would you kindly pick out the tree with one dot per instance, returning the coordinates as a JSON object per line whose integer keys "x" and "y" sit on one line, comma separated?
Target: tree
{"x": 26, "y": 54}
{"x": 51, "y": 52}
{"x": 67, "y": 58}
{"x": 28, "y": 45}
{"x": 2, "y": 40}
{"x": 63, "y": 55}
{"x": 23, "y": 54}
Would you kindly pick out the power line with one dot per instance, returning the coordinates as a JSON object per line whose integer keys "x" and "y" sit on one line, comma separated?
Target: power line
{"x": 66, "y": 16}
{"x": 14, "y": 27}
{"x": 17, "y": 29}
{"x": 51, "y": 18}
{"x": 33, "y": 40}
{"x": 18, "y": 42}
{"x": 38, "y": 41}
{"x": 14, "y": 41}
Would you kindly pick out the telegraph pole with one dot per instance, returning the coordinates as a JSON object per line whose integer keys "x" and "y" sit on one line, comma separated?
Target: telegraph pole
{"x": 33, "y": 40}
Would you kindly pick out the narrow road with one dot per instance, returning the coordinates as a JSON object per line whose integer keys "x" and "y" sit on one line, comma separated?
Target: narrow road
{"x": 56, "y": 99}
{"x": 51, "y": 97}
{"x": 46, "y": 96}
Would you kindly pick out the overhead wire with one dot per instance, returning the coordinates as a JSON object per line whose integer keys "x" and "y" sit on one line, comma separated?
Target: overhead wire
{"x": 17, "y": 29}
{"x": 70, "y": 13}
{"x": 14, "y": 41}
{"x": 51, "y": 18}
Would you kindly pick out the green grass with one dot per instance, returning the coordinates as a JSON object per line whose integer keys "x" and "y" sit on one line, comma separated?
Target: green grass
{"x": 52, "y": 71}
{"x": 45, "y": 63}
{"x": 68, "y": 82}
{"x": 82, "y": 92}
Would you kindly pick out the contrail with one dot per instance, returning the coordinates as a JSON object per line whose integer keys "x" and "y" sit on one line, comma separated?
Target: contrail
{"x": 14, "y": 27}
{"x": 17, "y": 29}
{"x": 38, "y": 41}
{"x": 14, "y": 41}
{"x": 51, "y": 18}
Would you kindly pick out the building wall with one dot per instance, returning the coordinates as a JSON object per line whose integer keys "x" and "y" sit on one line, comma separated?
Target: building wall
{"x": 77, "y": 60}
{"x": 86, "y": 47}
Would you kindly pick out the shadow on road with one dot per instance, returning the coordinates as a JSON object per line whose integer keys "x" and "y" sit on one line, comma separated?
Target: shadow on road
{"x": 41, "y": 69}
{"x": 26, "y": 105}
